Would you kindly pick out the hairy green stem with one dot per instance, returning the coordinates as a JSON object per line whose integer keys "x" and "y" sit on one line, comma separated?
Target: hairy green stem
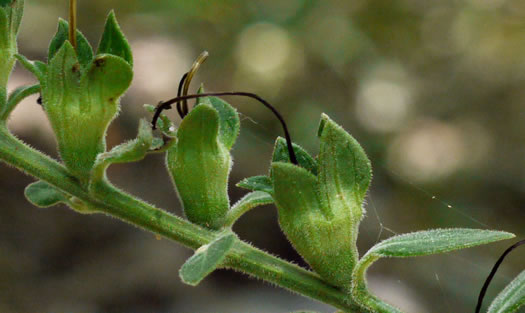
{"x": 111, "y": 201}
{"x": 360, "y": 289}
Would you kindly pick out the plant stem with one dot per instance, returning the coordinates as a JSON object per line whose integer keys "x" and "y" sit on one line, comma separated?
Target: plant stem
{"x": 360, "y": 290}
{"x": 243, "y": 257}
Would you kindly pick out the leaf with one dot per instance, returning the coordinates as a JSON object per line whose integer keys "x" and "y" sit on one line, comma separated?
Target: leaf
{"x": 257, "y": 183}
{"x": 113, "y": 40}
{"x": 206, "y": 259}
{"x": 511, "y": 298}
{"x": 435, "y": 241}
{"x": 131, "y": 151}
{"x": 83, "y": 50}
{"x": 415, "y": 244}
{"x": 253, "y": 199}
{"x": 5, "y": 2}
{"x": 38, "y": 68}
{"x": 43, "y": 195}
{"x": 16, "y": 97}
{"x": 280, "y": 154}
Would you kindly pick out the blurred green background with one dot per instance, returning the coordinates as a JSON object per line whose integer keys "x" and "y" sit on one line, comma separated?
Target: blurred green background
{"x": 434, "y": 90}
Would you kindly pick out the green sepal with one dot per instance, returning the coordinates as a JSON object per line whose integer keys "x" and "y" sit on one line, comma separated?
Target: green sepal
{"x": 199, "y": 165}
{"x": 38, "y": 68}
{"x": 206, "y": 259}
{"x": 320, "y": 214}
{"x": 80, "y": 106}
{"x": 345, "y": 171}
{"x": 5, "y": 36}
{"x": 511, "y": 298}
{"x": 325, "y": 241}
{"x": 246, "y": 203}
{"x": 230, "y": 124}
{"x": 43, "y": 195}
{"x": 14, "y": 10}
{"x": 10, "y": 18}
{"x": 113, "y": 40}
{"x": 257, "y": 183}
{"x": 84, "y": 50}
{"x": 304, "y": 159}
{"x": 15, "y": 97}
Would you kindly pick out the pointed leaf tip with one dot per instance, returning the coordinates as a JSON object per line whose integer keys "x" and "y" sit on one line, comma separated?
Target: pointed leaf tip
{"x": 436, "y": 241}
{"x": 113, "y": 40}
{"x": 206, "y": 259}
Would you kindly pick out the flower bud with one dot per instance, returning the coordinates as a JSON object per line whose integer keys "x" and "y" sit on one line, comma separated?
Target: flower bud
{"x": 81, "y": 92}
{"x": 320, "y": 214}
{"x": 199, "y": 162}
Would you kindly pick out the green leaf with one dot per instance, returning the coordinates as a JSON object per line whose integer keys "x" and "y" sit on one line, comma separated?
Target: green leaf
{"x": 257, "y": 183}
{"x": 206, "y": 259}
{"x": 248, "y": 202}
{"x": 16, "y": 96}
{"x": 38, "y": 68}
{"x": 43, "y": 195}
{"x": 415, "y": 244}
{"x": 5, "y": 2}
{"x": 113, "y": 40}
{"x": 280, "y": 154}
{"x": 435, "y": 241}
{"x": 15, "y": 14}
{"x": 511, "y": 298}
{"x": 84, "y": 50}
{"x": 344, "y": 170}
{"x": 133, "y": 150}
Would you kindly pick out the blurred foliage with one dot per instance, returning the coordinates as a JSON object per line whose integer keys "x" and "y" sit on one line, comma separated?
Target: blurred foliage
{"x": 433, "y": 90}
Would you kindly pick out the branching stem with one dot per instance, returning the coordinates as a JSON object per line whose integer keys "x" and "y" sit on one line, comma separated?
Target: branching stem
{"x": 108, "y": 199}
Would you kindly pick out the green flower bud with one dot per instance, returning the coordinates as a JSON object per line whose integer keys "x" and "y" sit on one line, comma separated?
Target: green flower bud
{"x": 320, "y": 214}
{"x": 199, "y": 162}
{"x": 10, "y": 17}
{"x": 81, "y": 92}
